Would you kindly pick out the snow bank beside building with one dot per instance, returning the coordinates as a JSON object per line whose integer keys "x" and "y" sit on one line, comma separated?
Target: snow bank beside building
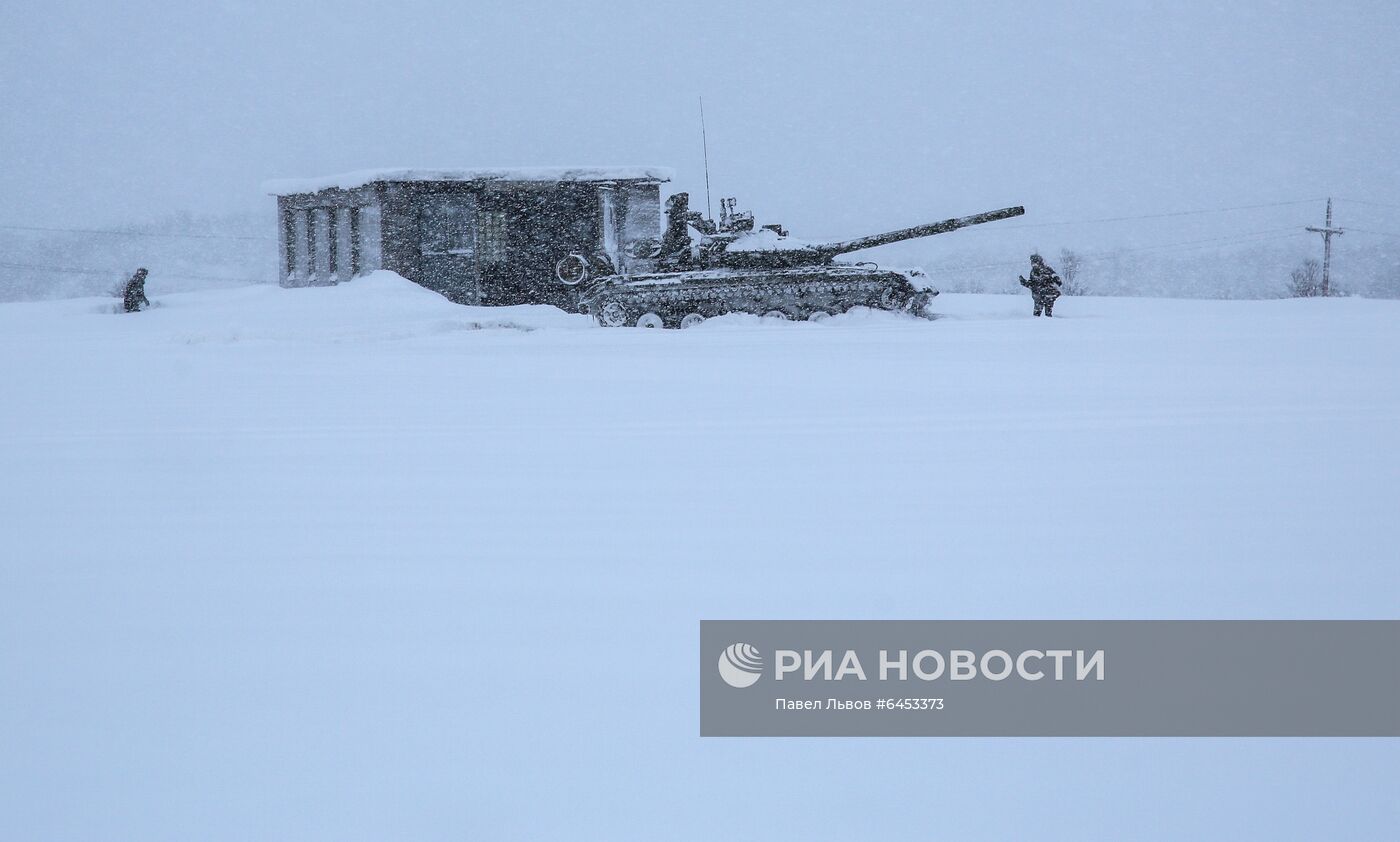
{"x": 381, "y": 305}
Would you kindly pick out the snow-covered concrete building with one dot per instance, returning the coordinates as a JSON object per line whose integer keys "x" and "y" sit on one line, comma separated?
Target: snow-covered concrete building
{"x": 480, "y": 236}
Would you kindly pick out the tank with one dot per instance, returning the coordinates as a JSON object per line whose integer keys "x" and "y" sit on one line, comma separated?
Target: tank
{"x": 733, "y": 268}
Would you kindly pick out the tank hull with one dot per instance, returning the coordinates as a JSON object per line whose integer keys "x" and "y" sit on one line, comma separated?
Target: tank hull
{"x": 681, "y": 299}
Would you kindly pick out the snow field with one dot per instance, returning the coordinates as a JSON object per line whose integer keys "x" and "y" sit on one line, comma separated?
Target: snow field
{"x": 355, "y": 562}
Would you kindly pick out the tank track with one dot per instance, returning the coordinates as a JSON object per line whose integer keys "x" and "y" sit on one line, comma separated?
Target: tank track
{"x": 666, "y": 300}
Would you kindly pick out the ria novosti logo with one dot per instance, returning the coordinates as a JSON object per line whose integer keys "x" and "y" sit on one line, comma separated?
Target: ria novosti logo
{"x": 740, "y": 665}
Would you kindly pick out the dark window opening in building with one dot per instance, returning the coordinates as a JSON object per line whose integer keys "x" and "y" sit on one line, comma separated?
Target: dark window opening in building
{"x": 289, "y": 237}
{"x": 333, "y": 243}
{"x": 354, "y": 241}
{"x": 492, "y": 237}
{"x": 310, "y": 244}
{"x": 445, "y": 226}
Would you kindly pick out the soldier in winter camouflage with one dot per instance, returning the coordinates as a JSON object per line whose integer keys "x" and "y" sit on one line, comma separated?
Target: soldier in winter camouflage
{"x": 1044, "y": 285}
{"x": 135, "y": 293}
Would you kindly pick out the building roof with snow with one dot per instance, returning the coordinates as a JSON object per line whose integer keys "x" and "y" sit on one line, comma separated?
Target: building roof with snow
{"x": 360, "y": 178}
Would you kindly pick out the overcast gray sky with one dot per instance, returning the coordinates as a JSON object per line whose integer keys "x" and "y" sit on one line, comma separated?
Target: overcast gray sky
{"x": 835, "y": 118}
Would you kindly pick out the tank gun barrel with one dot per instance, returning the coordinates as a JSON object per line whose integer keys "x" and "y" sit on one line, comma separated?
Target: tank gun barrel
{"x": 830, "y": 250}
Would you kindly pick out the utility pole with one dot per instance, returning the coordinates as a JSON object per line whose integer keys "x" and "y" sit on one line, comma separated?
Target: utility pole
{"x": 1327, "y": 231}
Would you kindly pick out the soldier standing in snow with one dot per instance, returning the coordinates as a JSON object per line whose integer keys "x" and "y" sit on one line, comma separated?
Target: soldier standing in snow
{"x": 135, "y": 293}
{"x": 1044, "y": 285}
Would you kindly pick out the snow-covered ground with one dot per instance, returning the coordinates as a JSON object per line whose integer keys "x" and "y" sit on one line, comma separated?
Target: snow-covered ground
{"x": 358, "y": 563}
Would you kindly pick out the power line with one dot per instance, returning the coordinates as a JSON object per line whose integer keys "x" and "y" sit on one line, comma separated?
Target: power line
{"x": 1166, "y": 215}
{"x": 1238, "y": 239}
{"x": 133, "y": 233}
{"x": 1251, "y": 237}
{"x": 1380, "y": 233}
{"x": 1364, "y": 202}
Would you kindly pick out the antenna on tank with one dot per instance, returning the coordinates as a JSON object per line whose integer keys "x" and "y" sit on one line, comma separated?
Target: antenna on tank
{"x": 705, "y": 145}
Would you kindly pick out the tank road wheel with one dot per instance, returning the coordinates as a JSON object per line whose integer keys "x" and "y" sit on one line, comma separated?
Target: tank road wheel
{"x": 612, "y": 314}
{"x": 691, "y": 320}
{"x": 776, "y": 314}
{"x": 818, "y": 316}
{"x": 650, "y": 320}
{"x": 891, "y": 299}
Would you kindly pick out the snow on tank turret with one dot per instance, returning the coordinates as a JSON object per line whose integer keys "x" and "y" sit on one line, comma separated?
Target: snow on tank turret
{"x": 733, "y": 268}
